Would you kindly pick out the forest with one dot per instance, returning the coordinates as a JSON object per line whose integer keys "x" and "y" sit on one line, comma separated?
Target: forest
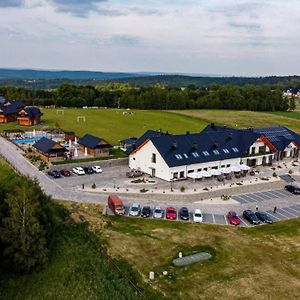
{"x": 117, "y": 95}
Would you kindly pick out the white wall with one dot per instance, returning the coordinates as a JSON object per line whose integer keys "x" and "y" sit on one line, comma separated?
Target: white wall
{"x": 256, "y": 145}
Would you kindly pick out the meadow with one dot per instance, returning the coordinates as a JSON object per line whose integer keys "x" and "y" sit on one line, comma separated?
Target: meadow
{"x": 117, "y": 124}
{"x": 261, "y": 262}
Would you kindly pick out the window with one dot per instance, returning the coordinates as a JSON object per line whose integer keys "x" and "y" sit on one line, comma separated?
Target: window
{"x": 236, "y": 150}
{"x": 253, "y": 150}
{"x": 226, "y": 151}
{"x": 181, "y": 174}
{"x": 216, "y": 152}
{"x": 223, "y": 166}
{"x": 195, "y": 154}
{"x": 175, "y": 175}
{"x": 185, "y": 155}
{"x": 178, "y": 156}
{"x": 228, "y": 166}
{"x": 199, "y": 170}
{"x": 153, "y": 158}
{"x": 205, "y": 169}
{"x": 205, "y": 153}
{"x": 191, "y": 171}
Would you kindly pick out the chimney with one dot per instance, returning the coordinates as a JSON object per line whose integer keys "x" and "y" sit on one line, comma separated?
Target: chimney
{"x": 224, "y": 127}
{"x": 215, "y": 145}
{"x": 195, "y": 146}
{"x": 212, "y": 125}
{"x": 174, "y": 146}
{"x": 187, "y": 132}
{"x": 134, "y": 146}
{"x": 230, "y": 136}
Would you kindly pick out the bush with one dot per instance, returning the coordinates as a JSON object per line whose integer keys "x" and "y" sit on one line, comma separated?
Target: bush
{"x": 93, "y": 185}
{"x": 274, "y": 174}
{"x": 290, "y": 171}
{"x": 182, "y": 189}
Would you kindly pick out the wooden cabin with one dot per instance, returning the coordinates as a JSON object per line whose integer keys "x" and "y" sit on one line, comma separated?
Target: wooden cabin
{"x": 94, "y": 146}
{"x": 49, "y": 150}
{"x": 9, "y": 111}
{"x": 29, "y": 116}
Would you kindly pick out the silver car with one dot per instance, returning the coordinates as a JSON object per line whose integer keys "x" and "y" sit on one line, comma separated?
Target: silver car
{"x": 134, "y": 210}
{"x": 157, "y": 212}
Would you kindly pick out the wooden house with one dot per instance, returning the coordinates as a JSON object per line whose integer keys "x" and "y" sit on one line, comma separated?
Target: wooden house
{"x": 49, "y": 150}
{"x": 94, "y": 146}
{"x": 9, "y": 111}
{"x": 29, "y": 116}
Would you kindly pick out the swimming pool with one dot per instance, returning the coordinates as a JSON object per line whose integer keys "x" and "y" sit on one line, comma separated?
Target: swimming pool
{"x": 26, "y": 141}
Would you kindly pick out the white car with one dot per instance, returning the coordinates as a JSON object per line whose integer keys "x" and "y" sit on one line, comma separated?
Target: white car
{"x": 78, "y": 171}
{"x": 157, "y": 212}
{"x": 134, "y": 209}
{"x": 197, "y": 216}
{"x": 97, "y": 169}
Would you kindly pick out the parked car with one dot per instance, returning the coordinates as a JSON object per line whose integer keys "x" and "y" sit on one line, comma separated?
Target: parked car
{"x": 54, "y": 174}
{"x": 134, "y": 209}
{"x": 264, "y": 217}
{"x": 233, "y": 218}
{"x": 78, "y": 171}
{"x": 171, "y": 213}
{"x": 88, "y": 170}
{"x": 134, "y": 174}
{"x": 116, "y": 205}
{"x": 197, "y": 216}
{"x": 97, "y": 169}
{"x": 146, "y": 211}
{"x": 184, "y": 214}
{"x": 294, "y": 188}
{"x": 251, "y": 217}
{"x": 157, "y": 212}
{"x": 65, "y": 173}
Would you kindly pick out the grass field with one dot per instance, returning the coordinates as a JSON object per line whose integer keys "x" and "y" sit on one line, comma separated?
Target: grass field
{"x": 243, "y": 118}
{"x": 261, "y": 263}
{"x": 289, "y": 114}
{"x": 113, "y": 125}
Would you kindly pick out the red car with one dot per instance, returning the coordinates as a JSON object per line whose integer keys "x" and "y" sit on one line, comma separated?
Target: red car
{"x": 65, "y": 173}
{"x": 233, "y": 218}
{"x": 171, "y": 213}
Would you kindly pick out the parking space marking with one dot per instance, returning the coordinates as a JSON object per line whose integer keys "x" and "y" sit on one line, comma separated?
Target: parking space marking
{"x": 290, "y": 209}
{"x": 296, "y": 208}
{"x": 283, "y": 214}
{"x": 249, "y": 199}
{"x": 226, "y": 221}
{"x": 245, "y": 224}
{"x": 285, "y": 211}
{"x": 275, "y": 194}
{"x": 219, "y": 219}
{"x": 270, "y": 195}
{"x": 239, "y": 199}
{"x": 207, "y": 218}
{"x": 213, "y": 218}
{"x": 285, "y": 193}
{"x": 272, "y": 215}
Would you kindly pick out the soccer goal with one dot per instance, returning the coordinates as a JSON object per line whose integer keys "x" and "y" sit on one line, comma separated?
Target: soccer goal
{"x": 60, "y": 112}
{"x": 81, "y": 119}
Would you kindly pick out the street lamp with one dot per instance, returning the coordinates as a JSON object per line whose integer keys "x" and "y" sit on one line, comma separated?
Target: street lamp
{"x": 171, "y": 185}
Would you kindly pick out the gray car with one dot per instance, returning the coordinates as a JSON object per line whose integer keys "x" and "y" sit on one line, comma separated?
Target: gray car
{"x": 134, "y": 210}
{"x": 157, "y": 212}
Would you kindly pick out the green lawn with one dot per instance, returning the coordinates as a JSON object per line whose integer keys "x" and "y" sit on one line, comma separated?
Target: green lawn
{"x": 289, "y": 114}
{"x": 113, "y": 125}
{"x": 243, "y": 119}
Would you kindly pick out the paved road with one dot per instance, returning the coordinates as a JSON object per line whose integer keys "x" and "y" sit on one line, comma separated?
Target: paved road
{"x": 14, "y": 156}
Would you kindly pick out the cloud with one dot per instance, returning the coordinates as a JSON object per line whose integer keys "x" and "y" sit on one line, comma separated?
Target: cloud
{"x": 11, "y": 3}
{"x": 80, "y": 8}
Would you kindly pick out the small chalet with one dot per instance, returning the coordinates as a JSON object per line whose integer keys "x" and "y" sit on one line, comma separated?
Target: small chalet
{"x": 9, "y": 110}
{"x": 49, "y": 150}
{"x": 94, "y": 146}
{"x": 29, "y": 116}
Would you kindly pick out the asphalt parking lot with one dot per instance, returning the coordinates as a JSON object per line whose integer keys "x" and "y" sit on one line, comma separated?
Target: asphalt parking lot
{"x": 261, "y": 196}
{"x": 281, "y": 214}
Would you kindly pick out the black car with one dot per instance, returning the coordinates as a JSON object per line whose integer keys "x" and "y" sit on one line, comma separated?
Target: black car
{"x": 184, "y": 214}
{"x": 54, "y": 174}
{"x": 88, "y": 170}
{"x": 294, "y": 188}
{"x": 264, "y": 217}
{"x": 146, "y": 211}
{"x": 251, "y": 217}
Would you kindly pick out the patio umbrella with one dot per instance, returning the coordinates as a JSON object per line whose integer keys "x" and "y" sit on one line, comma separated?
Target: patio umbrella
{"x": 236, "y": 168}
{"x": 199, "y": 175}
{"x": 245, "y": 168}
{"x": 226, "y": 170}
{"x": 215, "y": 172}
{"x": 192, "y": 175}
{"x": 207, "y": 174}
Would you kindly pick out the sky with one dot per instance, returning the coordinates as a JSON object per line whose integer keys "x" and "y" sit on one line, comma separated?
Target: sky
{"x": 225, "y": 37}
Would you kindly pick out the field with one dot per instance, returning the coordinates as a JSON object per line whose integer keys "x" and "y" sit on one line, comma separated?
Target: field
{"x": 244, "y": 118}
{"x": 117, "y": 124}
{"x": 262, "y": 262}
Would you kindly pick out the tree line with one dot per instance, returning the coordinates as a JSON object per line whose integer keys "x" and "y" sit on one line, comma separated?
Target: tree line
{"x": 248, "y": 97}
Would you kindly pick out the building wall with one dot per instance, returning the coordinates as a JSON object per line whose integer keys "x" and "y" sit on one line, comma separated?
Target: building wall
{"x": 95, "y": 152}
{"x": 255, "y": 147}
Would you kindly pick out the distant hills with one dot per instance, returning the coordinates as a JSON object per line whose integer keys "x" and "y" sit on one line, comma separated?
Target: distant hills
{"x": 44, "y": 79}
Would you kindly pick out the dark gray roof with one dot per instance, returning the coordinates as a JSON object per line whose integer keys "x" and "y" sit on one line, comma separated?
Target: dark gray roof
{"x": 44, "y": 145}
{"x": 33, "y": 111}
{"x": 12, "y": 108}
{"x": 129, "y": 141}
{"x": 90, "y": 141}
{"x": 189, "y": 149}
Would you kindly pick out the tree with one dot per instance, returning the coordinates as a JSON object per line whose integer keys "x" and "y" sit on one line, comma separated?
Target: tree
{"x": 292, "y": 103}
{"x": 22, "y": 234}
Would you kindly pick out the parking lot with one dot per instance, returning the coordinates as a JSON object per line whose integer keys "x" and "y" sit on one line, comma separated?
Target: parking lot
{"x": 261, "y": 196}
{"x": 281, "y": 214}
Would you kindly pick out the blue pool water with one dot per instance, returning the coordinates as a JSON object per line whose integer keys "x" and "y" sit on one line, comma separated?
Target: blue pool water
{"x": 29, "y": 139}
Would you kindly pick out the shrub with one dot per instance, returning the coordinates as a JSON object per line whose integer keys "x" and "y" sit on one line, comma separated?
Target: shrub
{"x": 93, "y": 185}
{"x": 182, "y": 189}
{"x": 274, "y": 174}
{"x": 290, "y": 171}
